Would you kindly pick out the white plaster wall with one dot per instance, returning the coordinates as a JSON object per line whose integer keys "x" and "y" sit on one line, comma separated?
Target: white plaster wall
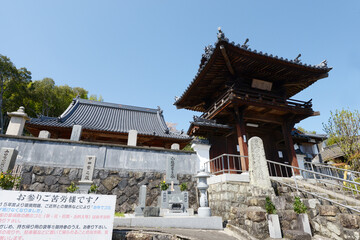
{"x": 202, "y": 152}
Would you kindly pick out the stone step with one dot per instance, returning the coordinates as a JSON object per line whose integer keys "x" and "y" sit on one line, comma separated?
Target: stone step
{"x": 296, "y": 234}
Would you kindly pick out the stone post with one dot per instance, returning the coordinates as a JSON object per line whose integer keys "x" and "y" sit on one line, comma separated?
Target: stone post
{"x": 202, "y": 149}
{"x": 139, "y": 210}
{"x": 258, "y": 169}
{"x": 87, "y": 174}
{"x": 132, "y": 138}
{"x": 203, "y": 210}
{"x": 7, "y": 159}
{"x": 17, "y": 122}
{"x": 76, "y": 133}
{"x": 44, "y": 134}
{"x": 175, "y": 146}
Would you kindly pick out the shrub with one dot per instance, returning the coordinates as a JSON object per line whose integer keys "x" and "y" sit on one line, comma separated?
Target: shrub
{"x": 164, "y": 186}
{"x": 299, "y": 206}
{"x": 72, "y": 188}
{"x": 183, "y": 187}
{"x": 93, "y": 188}
{"x": 8, "y": 181}
{"x": 269, "y": 206}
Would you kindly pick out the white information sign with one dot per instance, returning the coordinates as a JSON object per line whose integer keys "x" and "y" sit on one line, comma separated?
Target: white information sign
{"x": 44, "y": 215}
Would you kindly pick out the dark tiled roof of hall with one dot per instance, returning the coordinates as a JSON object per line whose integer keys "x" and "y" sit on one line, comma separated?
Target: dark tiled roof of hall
{"x": 110, "y": 117}
{"x": 221, "y": 39}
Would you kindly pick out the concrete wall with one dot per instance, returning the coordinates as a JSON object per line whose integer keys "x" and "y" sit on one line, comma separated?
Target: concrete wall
{"x": 66, "y": 153}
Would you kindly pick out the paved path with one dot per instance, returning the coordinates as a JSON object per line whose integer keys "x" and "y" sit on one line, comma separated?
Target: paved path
{"x": 194, "y": 234}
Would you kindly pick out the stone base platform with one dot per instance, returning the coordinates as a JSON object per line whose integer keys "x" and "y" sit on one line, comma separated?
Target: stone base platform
{"x": 193, "y": 222}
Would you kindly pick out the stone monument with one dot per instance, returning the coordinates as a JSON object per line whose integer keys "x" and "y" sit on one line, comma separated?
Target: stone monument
{"x": 173, "y": 202}
{"x": 7, "y": 159}
{"x": 139, "y": 210}
{"x": 258, "y": 169}
{"x": 17, "y": 122}
{"x": 87, "y": 174}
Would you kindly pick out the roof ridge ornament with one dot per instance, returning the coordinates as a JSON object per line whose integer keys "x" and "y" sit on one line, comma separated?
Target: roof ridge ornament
{"x": 245, "y": 45}
{"x": 323, "y": 64}
{"x": 209, "y": 49}
{"x": 297, "y": 59}
{"x": 221, "y": 35}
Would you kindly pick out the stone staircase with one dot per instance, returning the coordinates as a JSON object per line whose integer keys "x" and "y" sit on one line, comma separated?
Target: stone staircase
{"x": 325, "y": 191}
{"x": 335, "y": 221}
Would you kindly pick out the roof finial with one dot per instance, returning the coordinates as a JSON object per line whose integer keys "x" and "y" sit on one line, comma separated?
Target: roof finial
{"x": 297, "y": 59}
{"x": 245, "y": 44}
{"x": 323, "y": 64}
{"x": 220, "y": 35}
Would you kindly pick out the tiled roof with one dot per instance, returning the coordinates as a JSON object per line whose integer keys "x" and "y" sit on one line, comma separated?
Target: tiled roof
{"x": 244, "y": 48}
{"x": 296, "y": 133}
{"x": 198, "y": 121}
{"x": 331, "y": 152}
{"x": 207, "y": 124}
{"x": 110, "y": 117}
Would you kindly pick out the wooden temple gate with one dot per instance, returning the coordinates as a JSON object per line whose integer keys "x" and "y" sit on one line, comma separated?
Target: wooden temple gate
{"x": 242, "y": 93}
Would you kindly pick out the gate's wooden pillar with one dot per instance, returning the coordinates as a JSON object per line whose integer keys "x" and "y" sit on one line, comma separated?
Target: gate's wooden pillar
{"x": 241, "y": 136}
{"x": 289, "y": 145}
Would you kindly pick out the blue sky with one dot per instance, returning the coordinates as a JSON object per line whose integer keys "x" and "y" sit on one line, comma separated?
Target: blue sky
{"x": 144, "y": 53}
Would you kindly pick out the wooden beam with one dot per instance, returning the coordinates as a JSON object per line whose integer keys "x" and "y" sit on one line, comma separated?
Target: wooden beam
{"x": 227, "y": 60}
{"x": 289, "y": 145}
{"x": 241, "y": 135}
{"x": 297, "y": 82}
{"x": 263, "y": 118}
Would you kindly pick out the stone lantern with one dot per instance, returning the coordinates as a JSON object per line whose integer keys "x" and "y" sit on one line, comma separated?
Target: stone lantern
{"x": 17, "y": 122}
{"x": 204, "y": 210}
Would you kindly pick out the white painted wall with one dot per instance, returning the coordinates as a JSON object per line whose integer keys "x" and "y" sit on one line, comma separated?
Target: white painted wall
{"x": 203, "y": 153}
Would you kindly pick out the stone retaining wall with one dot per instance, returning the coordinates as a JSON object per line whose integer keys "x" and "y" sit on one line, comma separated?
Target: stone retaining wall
{"x": 235, "y": 202}
{"x": 242, "y": 206}
{"x": 327, "y": 220}
{"x": 124, "y": 184}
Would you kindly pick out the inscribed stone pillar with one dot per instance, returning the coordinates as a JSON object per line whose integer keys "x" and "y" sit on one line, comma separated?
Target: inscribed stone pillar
{"x": 76, "y": 133}
{"x": 88, "y": 169}
{"x": 7, "y": 159}
{"x": 258, "y": 169}
{"x": 139, "y": 210}
{"x": 87, "y": 174}
{"x": 132, "y": 138}
{"x": 44, "y": 134}
{"x": 171, "y": 171}
{"x": 17, "y": 122}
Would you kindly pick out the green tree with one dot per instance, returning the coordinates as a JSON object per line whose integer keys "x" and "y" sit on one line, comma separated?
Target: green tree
{"x": 95, "y": 98}
{"x": 343, "y": 128}
{"x": 13, "y": 87}
{"x": 301, "y": 129}
{"x": 42, "y": 97}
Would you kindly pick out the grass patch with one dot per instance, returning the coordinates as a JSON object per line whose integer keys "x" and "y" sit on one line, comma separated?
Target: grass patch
{"x": 119, "y": 214}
